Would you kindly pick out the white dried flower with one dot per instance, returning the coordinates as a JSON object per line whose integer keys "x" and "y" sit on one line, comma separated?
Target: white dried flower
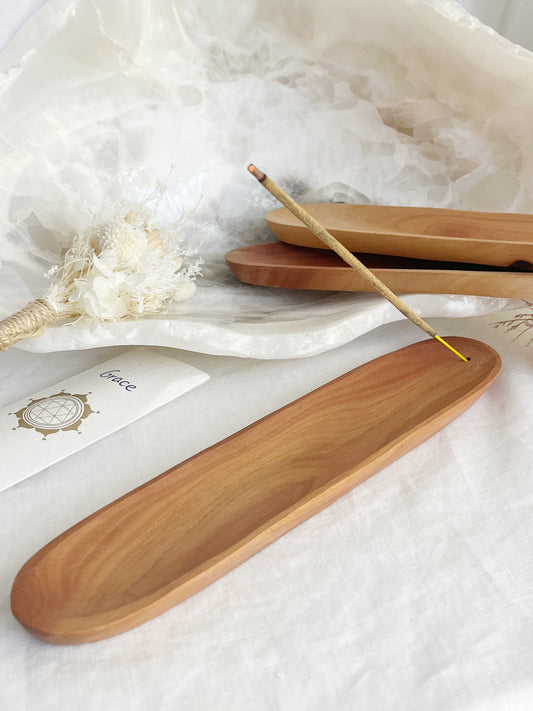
{"x": 184, "y": 290}
{"x": 122, "y": 266}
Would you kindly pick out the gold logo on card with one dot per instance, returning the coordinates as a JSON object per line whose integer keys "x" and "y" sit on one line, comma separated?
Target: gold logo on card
{"x": 48, "y": 415}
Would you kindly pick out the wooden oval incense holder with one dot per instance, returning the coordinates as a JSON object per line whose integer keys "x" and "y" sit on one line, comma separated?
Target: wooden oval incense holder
{"x": 276, "y": 264}
{"x": 498, "y": 239}
{"x": 169, "y": 538}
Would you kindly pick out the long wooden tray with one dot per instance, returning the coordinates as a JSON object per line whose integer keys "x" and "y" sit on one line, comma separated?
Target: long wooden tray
{"x": 499, "y": 239}
{"x": 282, "y": 265}
{"x": 166, "y": 540}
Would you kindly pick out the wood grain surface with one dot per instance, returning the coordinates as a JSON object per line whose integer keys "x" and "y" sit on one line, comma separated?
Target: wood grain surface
{"x": 498, "y": 239}
{"x": 276, "y": 264}
{"x": 171, "y": 537}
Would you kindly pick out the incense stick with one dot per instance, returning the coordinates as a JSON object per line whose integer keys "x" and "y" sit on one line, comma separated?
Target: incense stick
{"x": 328, "y": 239}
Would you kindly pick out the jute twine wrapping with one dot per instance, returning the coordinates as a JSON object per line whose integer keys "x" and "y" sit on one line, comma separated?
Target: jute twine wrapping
{"x": 29, "y": 321}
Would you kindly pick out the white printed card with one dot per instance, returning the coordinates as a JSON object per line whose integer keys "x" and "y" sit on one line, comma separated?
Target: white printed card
{"x": 38, "y": 431}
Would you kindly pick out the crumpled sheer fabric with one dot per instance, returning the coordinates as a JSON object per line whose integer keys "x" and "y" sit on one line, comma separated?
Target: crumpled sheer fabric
{"x": 406, "y": 102}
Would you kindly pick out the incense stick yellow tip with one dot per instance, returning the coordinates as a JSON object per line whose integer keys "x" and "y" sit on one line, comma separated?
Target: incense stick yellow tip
{"x": 441, "y": 340}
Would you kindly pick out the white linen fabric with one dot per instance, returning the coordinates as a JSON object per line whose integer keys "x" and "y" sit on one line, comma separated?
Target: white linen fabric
{"x": 415, "y": 590}
{"x": 411, "y": 103}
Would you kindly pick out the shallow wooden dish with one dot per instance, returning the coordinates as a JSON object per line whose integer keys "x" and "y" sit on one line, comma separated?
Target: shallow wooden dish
{"x": 166, "y": 540}
{"x": 277, "y": 264}
{"x": 499, "y": 239}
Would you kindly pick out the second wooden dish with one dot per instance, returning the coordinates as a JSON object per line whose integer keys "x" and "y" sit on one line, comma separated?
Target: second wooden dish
{"x": 276, "y": 264}
{"x": 499, "y": 239}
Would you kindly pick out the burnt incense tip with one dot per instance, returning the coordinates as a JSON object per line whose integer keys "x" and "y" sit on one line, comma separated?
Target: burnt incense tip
{"x": 256, "y": 172}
